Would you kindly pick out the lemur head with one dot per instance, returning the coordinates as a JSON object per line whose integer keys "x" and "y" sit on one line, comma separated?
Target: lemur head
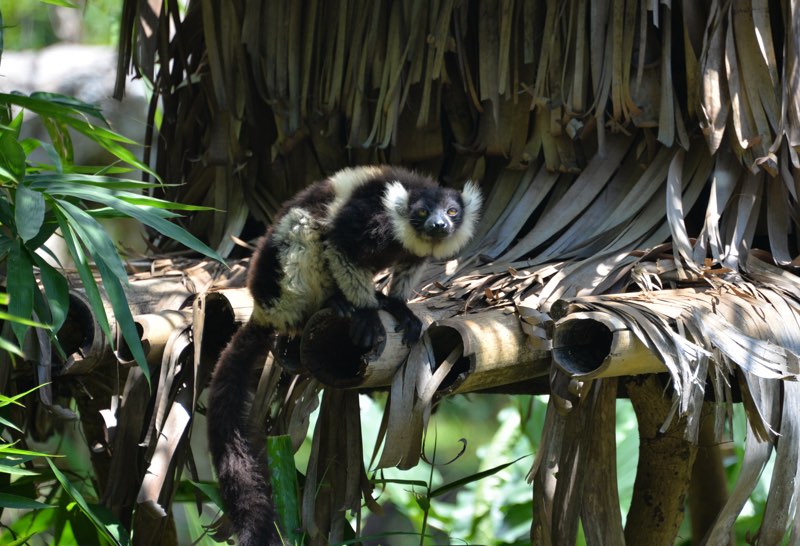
{"x": 431, "y": 220}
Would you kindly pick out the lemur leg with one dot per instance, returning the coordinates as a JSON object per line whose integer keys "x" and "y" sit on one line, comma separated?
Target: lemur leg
{"x": 357, "y": 287}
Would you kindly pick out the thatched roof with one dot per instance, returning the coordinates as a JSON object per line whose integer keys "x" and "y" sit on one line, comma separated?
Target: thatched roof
{"x": 634, "y": 156}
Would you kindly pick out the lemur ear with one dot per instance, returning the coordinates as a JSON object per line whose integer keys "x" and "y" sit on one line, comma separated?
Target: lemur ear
{"x": 472, "y": 198}
{"x": 396, "y": 198}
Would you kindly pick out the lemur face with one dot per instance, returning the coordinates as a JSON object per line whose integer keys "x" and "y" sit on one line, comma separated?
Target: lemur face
{"x": 435, "y": 214}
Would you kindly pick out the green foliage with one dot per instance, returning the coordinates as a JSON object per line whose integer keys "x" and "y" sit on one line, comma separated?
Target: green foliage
{"x": 36, "y": 199}
{"x": 29, "y": 24}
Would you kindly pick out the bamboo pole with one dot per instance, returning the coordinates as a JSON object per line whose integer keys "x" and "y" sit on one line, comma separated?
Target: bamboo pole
{"x": 593, "y": 344}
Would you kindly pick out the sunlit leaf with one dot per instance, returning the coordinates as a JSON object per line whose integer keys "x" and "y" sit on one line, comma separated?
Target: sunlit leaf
{"x": 61, "y": 3}
{"x": 76, "y": 495}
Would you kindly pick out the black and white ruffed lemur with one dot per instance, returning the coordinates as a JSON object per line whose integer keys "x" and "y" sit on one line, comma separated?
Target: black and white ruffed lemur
{"x": 324, "y": 248}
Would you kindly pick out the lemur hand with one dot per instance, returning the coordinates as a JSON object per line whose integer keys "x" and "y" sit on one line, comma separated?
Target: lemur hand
{"x": 366, "y": 329}
{"x": 406, "y": 320}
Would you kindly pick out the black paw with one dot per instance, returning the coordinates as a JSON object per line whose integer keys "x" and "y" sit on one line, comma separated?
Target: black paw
{"x": 339, "y": 304}
{"x": 407, "y": 321}
{"x": 366, "y": 329}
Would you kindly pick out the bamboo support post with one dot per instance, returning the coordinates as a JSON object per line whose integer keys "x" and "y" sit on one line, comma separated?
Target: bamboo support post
{"x": 592, "y": 345}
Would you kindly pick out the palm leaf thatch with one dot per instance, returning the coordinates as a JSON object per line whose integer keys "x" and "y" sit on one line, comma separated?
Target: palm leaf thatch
{"x": 641, "y": 165}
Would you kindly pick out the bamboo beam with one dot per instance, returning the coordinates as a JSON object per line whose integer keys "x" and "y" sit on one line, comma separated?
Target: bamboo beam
{"x": 592, "y": 345}
{"x": 154, "y": 330}
{"x": 328, "y": 354}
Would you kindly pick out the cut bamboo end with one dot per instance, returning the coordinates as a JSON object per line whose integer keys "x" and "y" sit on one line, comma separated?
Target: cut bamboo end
{"x": 329, "y": 355}
{"x": 592, "y": 345}
{"x": 81, "y": 337}
{"x": 490, "y": 349}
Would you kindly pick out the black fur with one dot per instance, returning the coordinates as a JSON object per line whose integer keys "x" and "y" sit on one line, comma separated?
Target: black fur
{"x": 319, "y": 251}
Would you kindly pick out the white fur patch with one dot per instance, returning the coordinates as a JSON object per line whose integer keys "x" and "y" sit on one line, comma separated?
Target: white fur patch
{"x": 306, "y": 283}
{"x": 396, "y": 202}
{"x": 345, "y": 183}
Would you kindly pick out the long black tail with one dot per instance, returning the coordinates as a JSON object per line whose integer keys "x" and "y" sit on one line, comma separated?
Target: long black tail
{"x": 241, "y": 466}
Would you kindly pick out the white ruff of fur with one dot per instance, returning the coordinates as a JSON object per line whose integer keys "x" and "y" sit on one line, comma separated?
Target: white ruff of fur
{"x": 396, "y": 202}
{"x": 345, "y": 183}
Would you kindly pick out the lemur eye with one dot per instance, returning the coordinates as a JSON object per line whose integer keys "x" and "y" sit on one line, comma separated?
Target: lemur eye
{"x": 422, "y": 213}
{"x": 452, "y": 211}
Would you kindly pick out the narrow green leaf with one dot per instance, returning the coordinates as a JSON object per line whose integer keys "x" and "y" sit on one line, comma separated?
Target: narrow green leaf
{"x": 16, "y": 471}
{"x": 29, "y": 212}
{"x": 9, "y": 347}
{"x": 6, "y": 400}
{"x": 210, "y": 490}
{"x": 43, "y": 181}
{"x": 285, "y": 491}
{"x": 116, "y": 296}
{"x": 21, "y": 283}
{"x": 27, "y": 322}
{"x": 28, "y": 526}
{"x": 60, "y": 138}
{"x": 16, "y": 125}
{"x": 85, "y": 273}
{"x": 82, "y": 504}
{"x": 6, "y": 423}
{"x": 57, "y": 291}
{"x": 145, "y": 216}
{"x": 95, "y": 238}
{"x": 472, "y": 478}
{"x": 61, "y": 3}
{"x": 12, "y": 157}
{"x": 21, "y": 503}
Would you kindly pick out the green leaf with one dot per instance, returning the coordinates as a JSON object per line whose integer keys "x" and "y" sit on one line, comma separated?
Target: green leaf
{"x": 28, "y": 526}
{"x": 84, "y": 272}
{"x": 43, "y": 181}
{"x": 21, "y": 503}
{"x": 472, "y": 478}
{"x": 60, "y": 138}
{"x": 29, "y": 212}
{"x": 95, "y": 238}
{"x": 7, "y": 400}
{"x": 12, "y": 158}
{"x": 83, "y": 505}
{"x": 17, "y": 471}
{"x": 122, "y": 312}
{"x": 21, "y": 284}
{"x": 210, "y": 490}
{"x": 61, "y": 3}
{"x": 67, "y": 102}
{"x": 9, "y": 347}
{"x": 145, "y": 216}
{"x": 285, "y": 491}
{"x": 57, "y": 290}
